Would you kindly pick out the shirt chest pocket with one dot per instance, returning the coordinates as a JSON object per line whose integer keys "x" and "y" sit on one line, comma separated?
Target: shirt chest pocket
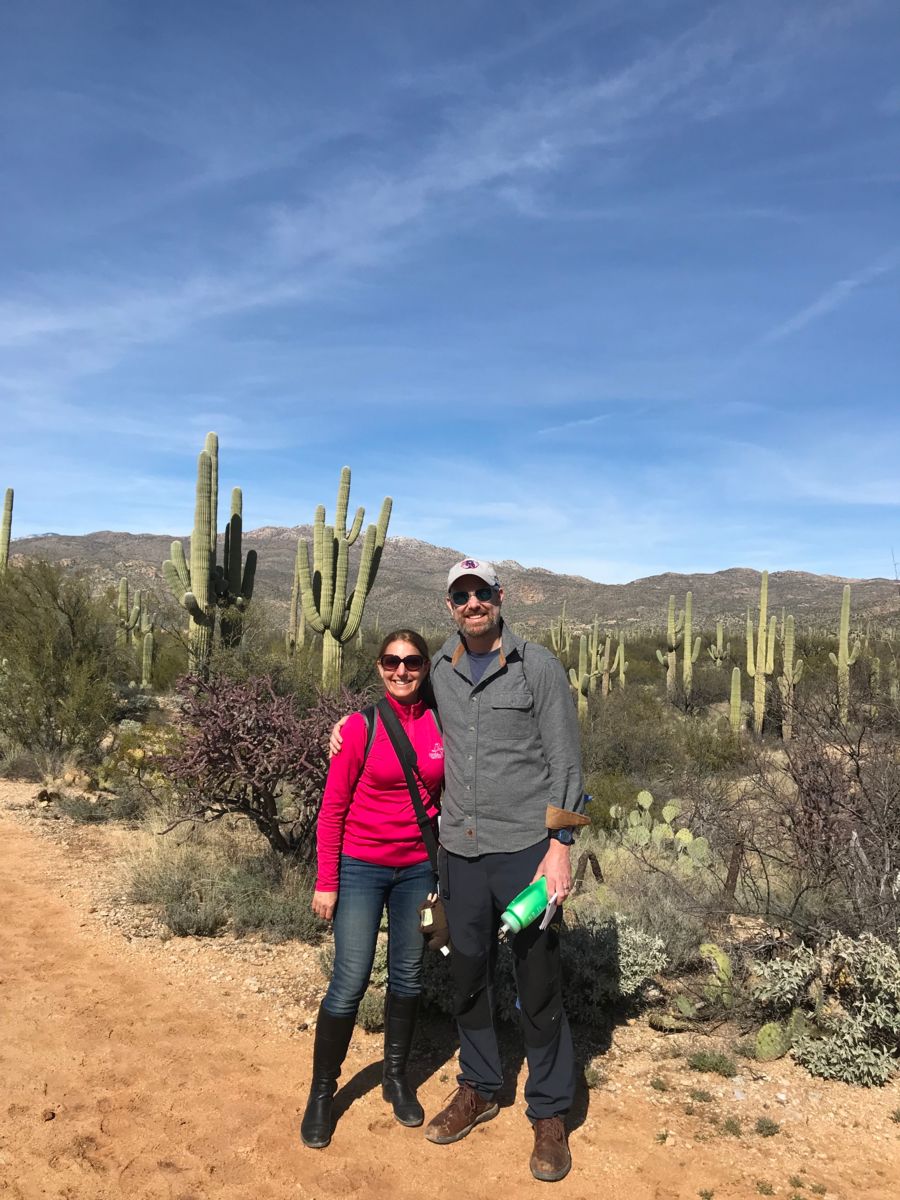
{"x": 510, "y": 715}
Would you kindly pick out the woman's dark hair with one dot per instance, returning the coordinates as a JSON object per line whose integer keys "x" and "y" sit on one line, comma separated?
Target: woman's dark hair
{"x": 405, "y": 635}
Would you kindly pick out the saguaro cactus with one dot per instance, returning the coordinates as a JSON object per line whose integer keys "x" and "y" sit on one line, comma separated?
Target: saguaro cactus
{"x": 691, "y": 651}
{"x": 560, "y": 635}
{"x": 735, "y": 706}
{"x": 580, "y": 680}
{"x": 791, "y": 673}
{"x": 238, "y": 582}
{"x": 845, "y": 657}
{"x": 295, "y": 634}
{"x": 127, "y": 619}
{"x": 674, "y": 627}
{"x": 621, "y": 663}
{"x": 719, "y": 652}
{"x": 760, "y": 667}
{"x": 6, "y": 529}
{"x": 194, "y": 586}
{"x": 328, "y": 608}
{"x": 148, "y": 647}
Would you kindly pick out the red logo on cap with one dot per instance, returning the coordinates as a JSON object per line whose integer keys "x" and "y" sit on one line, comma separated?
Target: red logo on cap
{"x": 469, "y": 562}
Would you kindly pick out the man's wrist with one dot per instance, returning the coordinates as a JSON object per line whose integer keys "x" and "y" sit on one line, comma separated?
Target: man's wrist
{"x": 565, "y": 837}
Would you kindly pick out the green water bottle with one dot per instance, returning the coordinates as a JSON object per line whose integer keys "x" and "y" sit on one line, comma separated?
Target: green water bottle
{"x": 524, "y": 908}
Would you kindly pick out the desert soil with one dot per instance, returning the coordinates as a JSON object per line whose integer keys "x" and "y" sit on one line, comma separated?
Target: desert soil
{"x": 132, "y": 1065}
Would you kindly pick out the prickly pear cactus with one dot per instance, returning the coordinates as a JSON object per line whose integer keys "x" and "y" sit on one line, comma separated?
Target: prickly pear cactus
{"x": 773, "y": 1040}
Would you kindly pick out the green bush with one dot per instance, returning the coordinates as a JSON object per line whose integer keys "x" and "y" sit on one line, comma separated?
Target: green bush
{"x": 60, "y": 670}
{"x": 633, "y": 737}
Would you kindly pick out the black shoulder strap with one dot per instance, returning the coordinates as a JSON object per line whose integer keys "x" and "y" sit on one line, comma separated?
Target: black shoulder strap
{"x": 407, "y": 756}
{"x": 368, "y": 715}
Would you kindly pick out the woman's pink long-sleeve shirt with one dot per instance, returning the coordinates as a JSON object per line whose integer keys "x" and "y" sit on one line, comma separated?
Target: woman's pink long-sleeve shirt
{"x": 367, "y": 810}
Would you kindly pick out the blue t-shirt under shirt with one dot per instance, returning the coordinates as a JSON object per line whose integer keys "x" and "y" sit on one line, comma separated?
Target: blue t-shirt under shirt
{"x": 479, "y": 663}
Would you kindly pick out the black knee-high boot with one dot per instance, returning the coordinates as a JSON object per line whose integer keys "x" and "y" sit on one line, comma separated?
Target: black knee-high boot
{"x": 332, "y": 1040}
{"x": 399, "y": 1025}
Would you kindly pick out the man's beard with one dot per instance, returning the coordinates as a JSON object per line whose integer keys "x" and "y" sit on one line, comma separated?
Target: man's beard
{"x": 484, "y": 624}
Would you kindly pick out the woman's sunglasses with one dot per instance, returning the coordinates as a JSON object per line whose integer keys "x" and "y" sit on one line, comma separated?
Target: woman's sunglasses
{"x": 458, "y": 599}
{"x": 412, "y": 662}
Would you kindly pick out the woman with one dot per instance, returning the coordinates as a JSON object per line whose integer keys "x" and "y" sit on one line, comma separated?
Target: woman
{"x": 371, "y": 855}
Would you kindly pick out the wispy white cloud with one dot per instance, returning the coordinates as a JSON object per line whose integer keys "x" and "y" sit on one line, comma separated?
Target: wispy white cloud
{"x": 833, "y": 297}
{"x": 352, "y": 221}
{"x": 577, "y": 424}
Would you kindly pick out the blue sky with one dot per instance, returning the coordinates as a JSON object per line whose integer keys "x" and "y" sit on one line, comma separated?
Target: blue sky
{"x": 611, "y": 288}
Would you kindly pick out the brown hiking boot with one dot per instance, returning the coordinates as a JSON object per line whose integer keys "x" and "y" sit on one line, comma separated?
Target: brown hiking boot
{"x": 466, "y": 1110}
{"x": 550, "y": 1159}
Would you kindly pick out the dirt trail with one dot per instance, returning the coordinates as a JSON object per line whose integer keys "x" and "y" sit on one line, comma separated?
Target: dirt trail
{"x": 120, "y": 1077}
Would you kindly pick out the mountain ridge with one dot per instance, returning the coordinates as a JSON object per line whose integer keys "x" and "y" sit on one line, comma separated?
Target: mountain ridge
{"x": 412, "y": 582}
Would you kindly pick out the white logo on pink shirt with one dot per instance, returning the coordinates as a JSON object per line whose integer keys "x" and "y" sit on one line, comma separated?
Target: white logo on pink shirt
{"x": 436, "y": 751}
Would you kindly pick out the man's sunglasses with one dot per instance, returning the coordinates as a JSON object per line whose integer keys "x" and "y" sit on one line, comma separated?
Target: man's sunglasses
{"x": 412, "y": 662}
{"x": 458, "y": 599}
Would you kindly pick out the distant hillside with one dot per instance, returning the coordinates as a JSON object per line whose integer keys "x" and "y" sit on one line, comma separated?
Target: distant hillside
{"x": 412, "y": 582}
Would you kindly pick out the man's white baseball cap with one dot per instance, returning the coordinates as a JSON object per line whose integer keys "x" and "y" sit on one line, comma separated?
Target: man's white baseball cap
{"x": 474, "y": 566}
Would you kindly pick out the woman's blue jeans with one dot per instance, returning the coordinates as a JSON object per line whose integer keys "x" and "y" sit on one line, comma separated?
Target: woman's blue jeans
{"x": 363, "y": 892}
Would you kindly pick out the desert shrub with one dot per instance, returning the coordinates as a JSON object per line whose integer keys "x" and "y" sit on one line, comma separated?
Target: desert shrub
{"x": 672, "y": 910}
{"x": 247, "y": 751}
{"x": 827, "y": 827}
{"x": 100, "y": 807}
{"x": 60, "y": 667}
{"x": 633, "y": 736}
{"x": 714, "y": 1062}
{"x": 850, "y": 989}
{"x": 268, "y": 895}
{"x": 710, "y": 747}
{"x": 185, "y": 890}
{"x": 608, "y": 789}
{"x": 215, "y": 879}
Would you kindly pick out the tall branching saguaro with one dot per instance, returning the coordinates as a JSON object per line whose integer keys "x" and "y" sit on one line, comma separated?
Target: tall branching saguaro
{"x": 239, "y": 578}
{"x": 691, "y": 651}
{"x": 791, "y": 674}
{"x": 202, "y": 587}
{"x": 845, "y": 657}
{"x": 6, "y": 529}
{"x": 669, "y": 660}
{"x": 580, "y": 680}
{"x": 295, "y": 634}
{"x": 761, "y": 666}
{"x": 327, "y": 605}
{"x": 127, "y": 618}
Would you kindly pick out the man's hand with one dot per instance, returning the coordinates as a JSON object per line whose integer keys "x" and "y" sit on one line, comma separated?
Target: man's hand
{"x": 556, "y": 865}
{"x": 335, "y": 741}
{"x": 323, "y": 904}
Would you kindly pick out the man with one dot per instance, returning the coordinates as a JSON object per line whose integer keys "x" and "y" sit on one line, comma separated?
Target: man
{"x": 512, "y": 795}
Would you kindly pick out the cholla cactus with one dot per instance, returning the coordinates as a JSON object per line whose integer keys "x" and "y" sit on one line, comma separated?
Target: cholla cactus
{"x": 329, "y": 609}
{"x": 791, "y": 674}
{"x": 845, "y": 657}
{"x": 761, "y": 666}
{"x": 6, "y": 529}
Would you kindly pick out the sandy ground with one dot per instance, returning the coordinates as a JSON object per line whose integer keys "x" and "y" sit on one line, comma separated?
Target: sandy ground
{"x": 143, "y": 1068}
